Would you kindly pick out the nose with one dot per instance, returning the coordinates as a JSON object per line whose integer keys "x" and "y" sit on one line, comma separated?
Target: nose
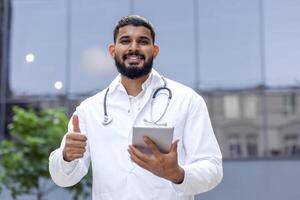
{"x": 134, "y": 46}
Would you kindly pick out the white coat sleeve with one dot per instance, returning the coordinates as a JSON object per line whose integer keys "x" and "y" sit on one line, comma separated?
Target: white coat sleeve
{"x": 64, "y": 173}
{"x": 203, "y": 163}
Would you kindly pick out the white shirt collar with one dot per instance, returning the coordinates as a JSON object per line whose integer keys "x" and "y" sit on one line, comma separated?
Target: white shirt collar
{"x": 154, "y": 79}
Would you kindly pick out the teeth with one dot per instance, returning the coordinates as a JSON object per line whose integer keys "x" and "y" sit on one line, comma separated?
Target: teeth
{"x": 133, "y": 57}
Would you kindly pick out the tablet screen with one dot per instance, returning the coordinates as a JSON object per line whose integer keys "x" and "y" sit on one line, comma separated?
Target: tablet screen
{"x": 161, "y": 136}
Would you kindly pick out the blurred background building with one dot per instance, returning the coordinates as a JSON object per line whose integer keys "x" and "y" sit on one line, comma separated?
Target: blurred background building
{"x": 247, "y": 130}
{"x": 242, "y": 56}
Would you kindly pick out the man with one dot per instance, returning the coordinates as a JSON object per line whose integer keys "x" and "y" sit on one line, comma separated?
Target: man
{"x": 120, "y": 170}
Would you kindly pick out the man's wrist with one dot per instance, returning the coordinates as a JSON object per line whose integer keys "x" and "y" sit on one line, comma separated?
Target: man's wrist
{"x": 178, "y": 176}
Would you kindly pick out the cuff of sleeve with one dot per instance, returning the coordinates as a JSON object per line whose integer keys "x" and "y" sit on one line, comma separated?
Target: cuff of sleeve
{"x": 181, "y": 188}
{"x": 67, "y": 167}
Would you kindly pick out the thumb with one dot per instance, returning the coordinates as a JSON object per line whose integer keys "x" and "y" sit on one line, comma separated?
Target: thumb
{"x": 75, "y": 122}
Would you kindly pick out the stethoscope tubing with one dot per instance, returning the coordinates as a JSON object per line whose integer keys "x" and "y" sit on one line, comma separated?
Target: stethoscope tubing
{"x": 107, "y": 118}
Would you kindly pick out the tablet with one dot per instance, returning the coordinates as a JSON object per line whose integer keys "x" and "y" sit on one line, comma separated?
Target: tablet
{"x": 162, "y": 136}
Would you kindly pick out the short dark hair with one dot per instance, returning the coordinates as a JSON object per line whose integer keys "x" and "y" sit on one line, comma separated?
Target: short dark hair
{"x": 134, "y": 20}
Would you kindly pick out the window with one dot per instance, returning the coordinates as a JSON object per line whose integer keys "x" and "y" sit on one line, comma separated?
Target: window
{"x": 250, "y": 106}
{"x": 292, "y": 147}
{"x": 231, "y": 106}
{"x": 235, "y": 147}
{"x": 251, "y": 142}
{"x": 289, "y": 101}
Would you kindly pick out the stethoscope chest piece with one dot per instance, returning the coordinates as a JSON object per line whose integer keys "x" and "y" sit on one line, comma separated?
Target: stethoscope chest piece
{"x": 107, "y": 120}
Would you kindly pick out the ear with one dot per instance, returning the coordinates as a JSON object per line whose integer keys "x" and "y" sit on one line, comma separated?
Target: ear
{"x": 155, "y": 50}
{"x": 111, "y": 49}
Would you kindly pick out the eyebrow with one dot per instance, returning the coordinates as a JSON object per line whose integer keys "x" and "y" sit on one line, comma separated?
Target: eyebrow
{"x": 124, "y": 37}
{"x": 127, "y": 37}
{"x": 145, "y": 38}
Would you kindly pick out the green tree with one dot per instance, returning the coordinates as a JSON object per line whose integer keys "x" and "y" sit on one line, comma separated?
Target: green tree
{"x": 24, "y": 158}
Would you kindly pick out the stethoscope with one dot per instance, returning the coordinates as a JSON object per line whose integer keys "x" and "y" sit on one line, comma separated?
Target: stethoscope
{"x": 108, "y": 118}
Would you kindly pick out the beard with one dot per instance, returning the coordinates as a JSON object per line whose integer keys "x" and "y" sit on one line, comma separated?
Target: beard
{"x": 134, "y": 72}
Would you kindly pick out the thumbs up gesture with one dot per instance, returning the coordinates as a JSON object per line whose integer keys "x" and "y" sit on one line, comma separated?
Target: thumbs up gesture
{"x": 75, "y": 142}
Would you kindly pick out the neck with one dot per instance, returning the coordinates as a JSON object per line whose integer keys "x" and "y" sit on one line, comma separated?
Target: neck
{"x": 133, "y": 86}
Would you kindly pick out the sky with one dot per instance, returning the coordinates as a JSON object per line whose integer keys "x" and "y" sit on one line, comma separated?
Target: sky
{"x": 223, "y": 48}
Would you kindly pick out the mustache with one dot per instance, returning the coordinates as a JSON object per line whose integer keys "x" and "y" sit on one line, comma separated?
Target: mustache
{"x": 135, "y": 53}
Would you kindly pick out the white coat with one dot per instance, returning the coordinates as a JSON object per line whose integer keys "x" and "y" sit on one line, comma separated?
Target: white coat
{"x": 115, "y": 176}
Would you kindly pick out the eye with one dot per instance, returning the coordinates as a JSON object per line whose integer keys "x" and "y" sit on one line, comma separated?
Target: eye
{"x": 124, "y": 41}
{"x": 144, "y": 42}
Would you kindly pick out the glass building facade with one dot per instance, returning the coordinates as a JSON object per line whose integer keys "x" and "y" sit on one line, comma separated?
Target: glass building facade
{"x": 242, "y": 56}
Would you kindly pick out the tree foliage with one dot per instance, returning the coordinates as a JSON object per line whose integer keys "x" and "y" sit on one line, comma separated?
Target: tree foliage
{"x": 24, "y": 162}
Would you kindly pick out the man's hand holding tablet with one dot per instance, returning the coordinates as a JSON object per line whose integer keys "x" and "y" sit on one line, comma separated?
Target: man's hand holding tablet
{"x": 162, "y": 160}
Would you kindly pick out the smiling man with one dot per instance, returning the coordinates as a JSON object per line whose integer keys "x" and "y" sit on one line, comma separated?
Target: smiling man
{"x": 100, "y": 130}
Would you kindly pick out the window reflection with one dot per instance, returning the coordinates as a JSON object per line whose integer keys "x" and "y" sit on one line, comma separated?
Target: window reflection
{"x": 235, "y": 146}
{"x": 289, "y": 103}
{"x": 250, "y": 106}
{"x": 231, "y": 106}
{"x": 292, "y": 145}
{"x": 252, "y": 149}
